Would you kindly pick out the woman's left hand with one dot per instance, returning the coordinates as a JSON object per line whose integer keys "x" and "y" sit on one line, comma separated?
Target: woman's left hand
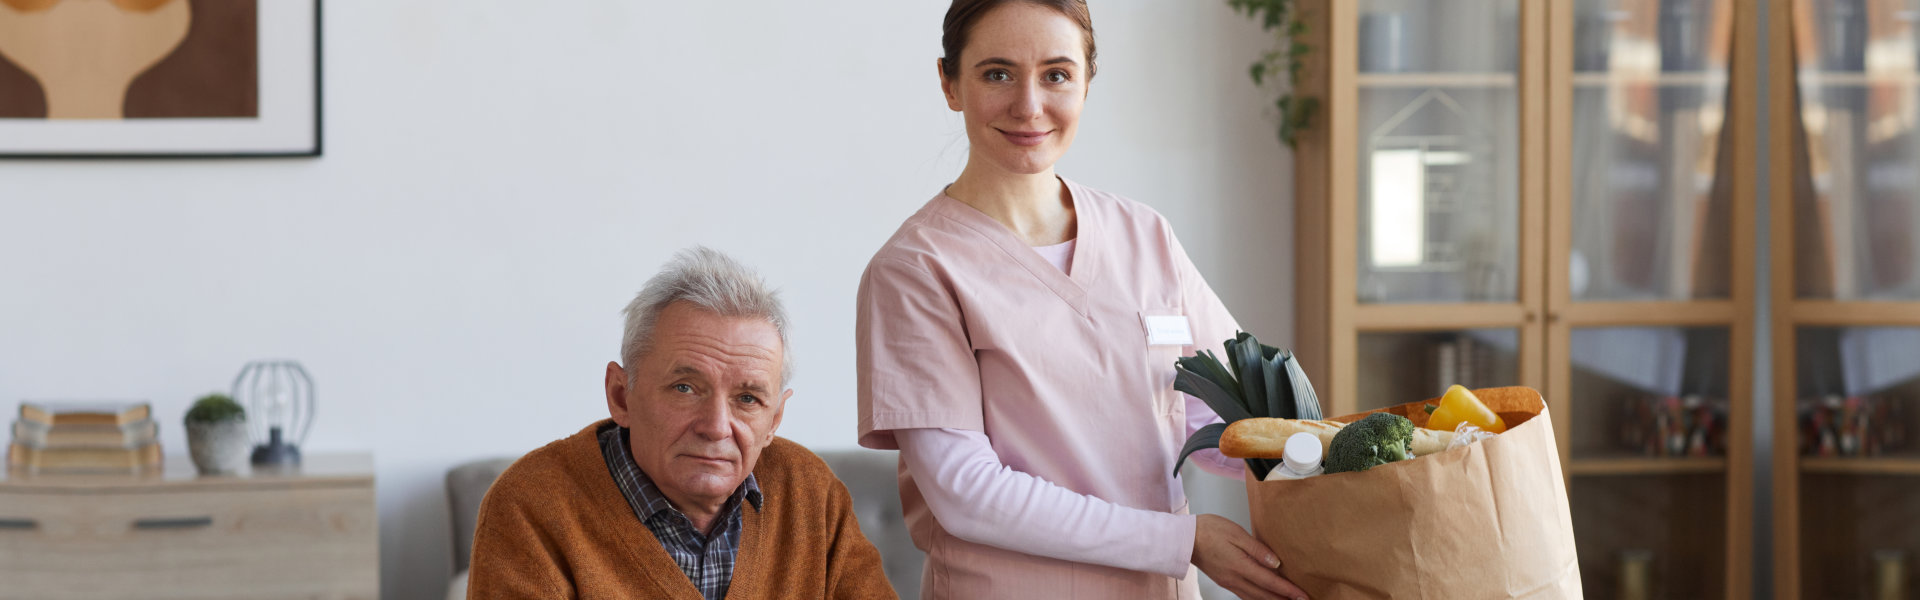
{"x": 1238, "y": 562}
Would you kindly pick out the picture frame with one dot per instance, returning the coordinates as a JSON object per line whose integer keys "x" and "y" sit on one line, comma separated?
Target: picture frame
{"x": 196, "y": 79}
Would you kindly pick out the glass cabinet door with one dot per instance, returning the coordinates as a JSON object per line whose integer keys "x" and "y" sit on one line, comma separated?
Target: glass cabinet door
{"x": 1650, "y": 432}
{"x": 1664, "y": 534}
{"x": 1651, "y": 217}
{"x": 1643, "y": 307}
{"x": 1856, "y": 389}
{"x": 1856, "y": 418}
{"x": 1649, "y": 393}
{"x": 1849, "y": 382}
{"x": 1856, "y": 212}
{"x": 1401, "y": 367}
{"x": 1438, "y": 115}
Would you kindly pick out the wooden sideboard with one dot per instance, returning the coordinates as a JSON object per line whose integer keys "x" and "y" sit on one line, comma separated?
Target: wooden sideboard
{"x": 310, "y": 533}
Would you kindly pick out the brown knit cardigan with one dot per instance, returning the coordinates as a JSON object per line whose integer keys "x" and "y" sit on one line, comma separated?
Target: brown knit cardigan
{"x": 556, "y": 526}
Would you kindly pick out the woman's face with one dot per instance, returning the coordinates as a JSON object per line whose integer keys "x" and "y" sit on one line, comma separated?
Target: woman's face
{"x": 1022, "y": 80}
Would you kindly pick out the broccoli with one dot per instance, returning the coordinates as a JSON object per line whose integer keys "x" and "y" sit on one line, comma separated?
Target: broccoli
{"x": 1379, "y": 439}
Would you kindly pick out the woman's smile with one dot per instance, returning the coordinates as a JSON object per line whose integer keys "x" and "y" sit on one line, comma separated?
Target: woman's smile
{"x": 1025, "y": 138}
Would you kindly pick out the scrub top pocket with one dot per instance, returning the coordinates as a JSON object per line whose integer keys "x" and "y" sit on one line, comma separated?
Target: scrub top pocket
{"x": 1159, "y": 361}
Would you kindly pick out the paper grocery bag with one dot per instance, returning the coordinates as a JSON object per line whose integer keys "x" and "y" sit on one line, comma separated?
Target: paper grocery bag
{"x": 1487, "y": 520}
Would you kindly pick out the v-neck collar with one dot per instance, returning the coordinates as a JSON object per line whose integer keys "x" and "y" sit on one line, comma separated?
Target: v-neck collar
{"x": 646, "y": 551}
{"x": 1071, "y": 286}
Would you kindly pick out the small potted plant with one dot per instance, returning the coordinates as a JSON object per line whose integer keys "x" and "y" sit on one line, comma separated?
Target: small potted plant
{"x": 217, "y": 435}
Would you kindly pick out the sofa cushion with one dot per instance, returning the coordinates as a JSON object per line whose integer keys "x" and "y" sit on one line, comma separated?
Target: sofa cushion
{"x": 466, "y": 485}
{"x": 873, "y": 479}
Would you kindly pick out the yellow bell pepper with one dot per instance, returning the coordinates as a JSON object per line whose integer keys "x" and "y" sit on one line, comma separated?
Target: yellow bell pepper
{"x": 1461, "y": 406}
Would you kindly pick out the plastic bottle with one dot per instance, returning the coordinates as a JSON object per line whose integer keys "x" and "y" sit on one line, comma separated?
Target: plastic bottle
{"x": 1301, "y": 458}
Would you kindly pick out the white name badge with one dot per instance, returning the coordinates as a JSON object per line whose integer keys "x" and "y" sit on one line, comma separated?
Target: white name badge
{"x": 1168, "y": 330}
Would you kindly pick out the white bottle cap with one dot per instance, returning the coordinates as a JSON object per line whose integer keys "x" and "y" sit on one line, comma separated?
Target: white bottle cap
{"x": 1302, "y": 452}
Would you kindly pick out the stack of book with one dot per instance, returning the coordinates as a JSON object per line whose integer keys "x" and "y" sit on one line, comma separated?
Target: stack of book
{"x": 64, "y": 437}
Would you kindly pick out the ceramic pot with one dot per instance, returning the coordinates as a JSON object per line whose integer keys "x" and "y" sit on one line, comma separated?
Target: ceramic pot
{"x": 218, "y": 448}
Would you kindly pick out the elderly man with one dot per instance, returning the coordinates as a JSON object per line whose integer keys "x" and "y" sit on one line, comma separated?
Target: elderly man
{"x": 685, "y": 492}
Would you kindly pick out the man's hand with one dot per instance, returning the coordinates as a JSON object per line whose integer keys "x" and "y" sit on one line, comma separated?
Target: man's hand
{"x": 1236, "y": 561}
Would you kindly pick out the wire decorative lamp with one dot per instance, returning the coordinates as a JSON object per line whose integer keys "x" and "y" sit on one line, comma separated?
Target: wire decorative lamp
{"x": 279, "y": 395}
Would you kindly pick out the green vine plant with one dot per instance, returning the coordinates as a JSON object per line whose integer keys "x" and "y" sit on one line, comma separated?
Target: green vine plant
{"x": 1282, "y": 19}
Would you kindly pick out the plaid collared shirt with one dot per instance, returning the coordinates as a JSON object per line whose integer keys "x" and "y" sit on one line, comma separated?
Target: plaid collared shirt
{"x": 707, "y": 560}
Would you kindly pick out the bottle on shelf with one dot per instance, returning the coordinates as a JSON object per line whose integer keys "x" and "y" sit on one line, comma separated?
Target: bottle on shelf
{"x": 1636, "y": 578}
{"x": 1890, "y": 575}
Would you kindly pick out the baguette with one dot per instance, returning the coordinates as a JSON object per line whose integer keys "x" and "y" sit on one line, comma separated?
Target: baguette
{"x": 1267, "y": 437}
{"x": 1262, "y": 437}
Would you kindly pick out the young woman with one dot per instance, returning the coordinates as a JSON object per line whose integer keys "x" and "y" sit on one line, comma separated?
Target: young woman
{"x": 1017, "y": 339}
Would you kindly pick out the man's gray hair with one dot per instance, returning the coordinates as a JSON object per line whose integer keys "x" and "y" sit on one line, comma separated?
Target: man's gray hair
{"x": 709, "y": 280}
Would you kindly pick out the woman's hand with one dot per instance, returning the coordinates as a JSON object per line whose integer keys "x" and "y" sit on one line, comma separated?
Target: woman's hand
{"x": 1236, "y": 561}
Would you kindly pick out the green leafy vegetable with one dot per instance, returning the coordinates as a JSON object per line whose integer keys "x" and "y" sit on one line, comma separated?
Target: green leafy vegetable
{"x": 1206, "y": 437}
{"x": 1251, "y": 369}
{"x": 1306, "y": 403}
{"x": 1257, "y": 381}
{"x": 1379, "y": 439}
{"x": 1280, "y": 402}
{"x": 1221, "y": 401}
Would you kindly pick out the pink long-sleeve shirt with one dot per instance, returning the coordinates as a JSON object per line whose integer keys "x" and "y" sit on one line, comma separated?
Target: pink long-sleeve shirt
{"x": 1065, "y": 377}
{"x": 982, "y": 500}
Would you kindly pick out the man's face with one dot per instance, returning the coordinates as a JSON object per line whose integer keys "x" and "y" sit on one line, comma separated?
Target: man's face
{"x": 704, "y": 401}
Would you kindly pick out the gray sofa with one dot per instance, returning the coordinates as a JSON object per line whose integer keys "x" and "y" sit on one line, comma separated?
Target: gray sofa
{"x": 870, "y": 476}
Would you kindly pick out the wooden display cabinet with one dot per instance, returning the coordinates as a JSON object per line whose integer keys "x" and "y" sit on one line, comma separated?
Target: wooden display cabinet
{"x": 1543, "y": 193}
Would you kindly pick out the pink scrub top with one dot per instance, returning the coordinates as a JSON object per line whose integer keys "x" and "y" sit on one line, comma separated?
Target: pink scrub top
{"x": 962, "y": 325}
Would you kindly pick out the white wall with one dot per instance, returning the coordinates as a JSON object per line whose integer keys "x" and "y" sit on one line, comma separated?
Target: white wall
{"x": 501, "y": 176}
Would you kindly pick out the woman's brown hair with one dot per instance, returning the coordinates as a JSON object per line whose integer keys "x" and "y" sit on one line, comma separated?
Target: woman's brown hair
{"x": 962, "y": 14}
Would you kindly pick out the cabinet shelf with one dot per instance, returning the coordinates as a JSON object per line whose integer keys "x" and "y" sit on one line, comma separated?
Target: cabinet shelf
{"x": 1818, "y": 78}
{"x": 1431, "y": 80}
{"x": 1706, "y": 312}
{"x": 1432, "y": 317}
{"x": 1854, "y": 313}
{"x": 1663, "y": 79}
{"x": 1508, "y": 80}
{"x": 1646, "y": 466}
{"x": 1906, "y": 465}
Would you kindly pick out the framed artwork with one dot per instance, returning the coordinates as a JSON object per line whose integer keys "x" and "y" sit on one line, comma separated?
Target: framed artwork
{"x": 159, "y": 78}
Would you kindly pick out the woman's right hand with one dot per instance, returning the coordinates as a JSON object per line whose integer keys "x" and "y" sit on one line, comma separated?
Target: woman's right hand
{"x": 1238, "y": 562}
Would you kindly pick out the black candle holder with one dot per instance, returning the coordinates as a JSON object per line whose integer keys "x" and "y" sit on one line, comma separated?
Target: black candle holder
{"x": 276, "y": 452}
{"x": 280, "y": 394}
